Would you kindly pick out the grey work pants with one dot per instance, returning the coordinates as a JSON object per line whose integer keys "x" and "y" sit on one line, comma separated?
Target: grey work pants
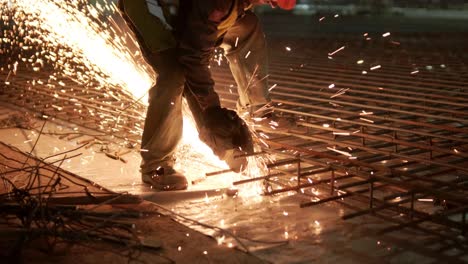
{"x": 163, "y": 124}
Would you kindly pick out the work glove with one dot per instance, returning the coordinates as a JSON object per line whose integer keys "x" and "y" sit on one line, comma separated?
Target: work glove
{"x": 227, "y": 135}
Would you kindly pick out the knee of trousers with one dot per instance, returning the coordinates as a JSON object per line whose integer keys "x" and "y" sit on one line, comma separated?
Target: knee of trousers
{"x": 169, "y": 84}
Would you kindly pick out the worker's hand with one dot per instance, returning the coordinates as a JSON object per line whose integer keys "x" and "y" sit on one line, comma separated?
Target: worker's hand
{"x": 227, "y": 135}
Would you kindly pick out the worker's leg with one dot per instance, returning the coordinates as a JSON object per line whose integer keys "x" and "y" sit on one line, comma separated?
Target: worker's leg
{"x": 163, "y": 124}
{"x": 245, "y": 48}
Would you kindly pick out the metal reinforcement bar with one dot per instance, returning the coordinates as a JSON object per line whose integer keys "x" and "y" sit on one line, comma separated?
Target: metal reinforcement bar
{"x": 381, "y": 131}
{"x": 388, "y": 136}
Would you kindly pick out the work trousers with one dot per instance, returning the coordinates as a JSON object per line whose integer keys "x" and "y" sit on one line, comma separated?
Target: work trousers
{"x": 245, "y": 48}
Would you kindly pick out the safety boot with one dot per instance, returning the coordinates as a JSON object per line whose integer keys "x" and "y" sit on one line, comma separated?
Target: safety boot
{"x": 165, "y": 179}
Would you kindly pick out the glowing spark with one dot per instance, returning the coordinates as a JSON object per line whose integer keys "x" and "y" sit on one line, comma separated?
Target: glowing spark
{"x": 237, "y": 41}
{"x": 386, "y": 34}
{"x": 414, "y": 72}
{"x": 375, "y": 67}
{"x": 367, "y": 120}
{"x": 366, "y": 113}
{"x": 360, "y": 62}
{"x": 364, "y": 72}
{"x": 339, "y": 151}
{"x": 288, "y": 48}
{"x": 322, "y": 18}
{"x": 331, "y": 86}
{"x": 336, "y": 51}
{"x": 341, "y": 133}
{"x": 273, "y": 87}
{"x": 220, "y": 240}
{"x": 247, "y": 55}
{"x": 285, "y": 213}
{"x": 179, "y": 248}
{"x": 326, "y": 125}
{"x": 425, "y": 200}
{"x": 340, "y": 92}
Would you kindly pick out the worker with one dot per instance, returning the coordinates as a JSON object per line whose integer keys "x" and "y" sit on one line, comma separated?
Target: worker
{"x": 178, "y": 39}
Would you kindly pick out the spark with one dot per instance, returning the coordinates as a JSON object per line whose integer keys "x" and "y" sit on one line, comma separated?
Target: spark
{"x": 360, "y": 62}
{"x": 336, "y": 51}
{"x": 273, "y": 87}
{"x": 340, "y": 151}
{"x": 366, "y": 113}
{"x": 220, "y": 240}
{"x": 414, "y": 72}
{"x": 341, "y": 133}
{"x": 367, "y": 120}
{"x": 237, "y": 41}
{"x": 375, "y": 67}
{"x": 322, "y": 18}
{"x": 425, "y": 200}
{"x": 288, "y": 48}
{"x": 247, "y": 55}
{"x": 331, "y": 86}
{"x": 386, "y": 34}
{"x": 340, "y": 92}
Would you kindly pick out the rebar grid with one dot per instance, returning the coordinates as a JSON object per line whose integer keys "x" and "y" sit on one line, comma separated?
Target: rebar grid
{"x": 391, "y": 142}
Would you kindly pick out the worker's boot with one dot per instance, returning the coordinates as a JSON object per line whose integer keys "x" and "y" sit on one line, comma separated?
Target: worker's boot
{"x": 165, "y": 179}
